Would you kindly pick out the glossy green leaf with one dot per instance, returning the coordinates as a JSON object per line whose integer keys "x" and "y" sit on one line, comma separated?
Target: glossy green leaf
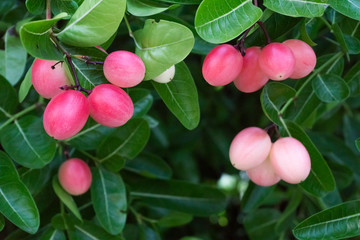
{"x": 53, "y": 234}
{"x": 59, "y": 6}
{"x": 352, "y": 43}
{"x": 297, "y": 8}
{"x": 254, "y": 196}
{"x": 28, "y": 134}
{"x": 261, "y": 224}
{"x": 162, "y": 44}
{"x": 181, "y": 97}
{"x": 228, "y": 19}
{"x": 175, "y": 219}
{"x": 126, "y": 141}
{"x": 15, "y": 57}
{"x": 35, "y": 179}
{"x": 143, "y": 8}
{"x": 142, "y": 100}
{"x": 330, "y": 88}
{"x": 2, "y": 63}
{"x": 338, "y": 222}
{"x": 140, "y": 232}
{"x": 181, "y": 1}
{"x": 273, "y": 96}
{"x": 35, "y": 37}
{"x": 25, "y": 86}
{"x": 2, "y": 222}
{"x": 350, "y": 8}
{"x": 108, "y": 195}
{"x": 89, "y": 231}
{"x": 35, "y": 6}
{"x": 93, "y": 23}
{"x": 8, "y": 99}
{"x": 290, "y": 209}
{"x": 16, "y": 202}
{"x": 339, "y": 35}
{"x": 65, "y": 197}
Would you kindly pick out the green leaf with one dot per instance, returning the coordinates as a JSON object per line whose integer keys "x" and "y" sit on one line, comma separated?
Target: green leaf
{"x": 25, "y": 86}
{"x": 178, "y": 195}
{"x": 35, "y": 37}
{"x": 59, "y": 6}
{"x": 89, "y": 75}
{"x": 108, "y": 195}
{"x": 273, "y": 96}
{"x": 349, "y": 8}
{"x": 339, "y": 35}
{"x": 228, "y": 19}
{"x": 35, "y": 179}
{"x": 89, "y": 231}
{"x": 330, "y": 88}
{"x": 65, "y": 197}
{"x": 126, "y": 141}
{"x": 2, "y": 222}
{"x": 143, "y": 8}
{"x": 175, "y": 219}
{"x": 93, "y": 23}
{"x": 16, "y": 202}
{"x": 35, "y": 6}
{"x": 142, "y": 100}
{"x": 28, "y": 134}
{"x": 298, "y": 8}
{"x": 181, "y": 97}
{"x": 182, "y": 1}
{"x": 162, "y": 44}
{"x": 338, "y": 222}
{"x": 261, "y": 224}
{"x": 15, "y": 57}
{"x": 53, "y": 234}
{"x": 352, "y": 43}
{"x": 254, "y": 196}
{"x": 8, "y": 99}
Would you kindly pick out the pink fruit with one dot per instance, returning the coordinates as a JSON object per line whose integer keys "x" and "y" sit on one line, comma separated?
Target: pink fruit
{"x": 249, "y": 148}
{"x": 124, "y": 69}
{"x": 222, "y": 65}
{"x": 75, "y": 176}
{"x": 46, "y": 80}
{"x": 263, "y": 174}
{"x": 305, "y": 58}
{"x": 110, "y": 105}
{"x": 66, "y": 114}
{"x": 277, "y": 61}
{"x": 290, "y": 160}
{"x": 251, "y": 77}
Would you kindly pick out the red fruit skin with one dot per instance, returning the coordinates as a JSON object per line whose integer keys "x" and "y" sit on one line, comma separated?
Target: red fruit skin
{"x": 222, "y": 65}
{"x": 305, "y": 58}
{"x": 47, "y": 81}
{"x": 290, "y": 160}
{"x": 263, "y": 175}
{"x": 277, "y": 61}
{"x": 110, "y": 105}
{"x": 124, "y": 69}
{"x": 251, "y": 77}
{"x": 75, "y": 176}
{"x": 249, "y": 148}
{"x": 66, "y": 114}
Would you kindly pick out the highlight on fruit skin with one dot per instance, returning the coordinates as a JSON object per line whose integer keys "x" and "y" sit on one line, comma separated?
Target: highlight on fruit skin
{"x": 48, "y": 76}
{"x": 290, "y": 160}
{"x": 222, "y": 65}
{"x": 264, "y": 174}
{"x": 124, "y": 69}
{"x": 66, "y": 114}
{"x": 277, "y": 61}
{"x": 75, "y": 176}
{"x": 305, "y": 58}
{"x": 249, "y": 148}
{"x": 166, "y": 76}
{"x": 110, "y": 105}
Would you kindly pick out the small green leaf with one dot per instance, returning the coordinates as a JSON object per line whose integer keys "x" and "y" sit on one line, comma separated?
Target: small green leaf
{"x": 228, "y": 19}
{"x": 352, "y": 43}
{"x": 143, "y": 8}
{"x": 349, "y": 8}
{"x": 25, "y": 86}
{"x": 35, "y": 179}
{"x": 175, "y": 219}
{"x": 89, "y": 231}
{"x": 142, "y": 100}
{"x": 254, "y": 196}
{"x": 68, "y": 6}
{"x": 181, "y": 1}
{"x": 261, "y": 224}
{"x": 35, "y": 6}
{"x": 330, "y": 88}
{"x": 8, "y": 99}
{"x": 53, "y": 234}
{"x": 298, "y": 8}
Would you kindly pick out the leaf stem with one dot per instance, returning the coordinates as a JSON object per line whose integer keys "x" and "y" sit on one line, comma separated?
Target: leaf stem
{"x": 263, "y": 28}
{"x": 48, "y": 9}
{"x": 326, "y": 23}
{"x": 255, "y": 2}
{"x": 355, "y": 29}
{"x": 240, "y": 45}
{"x": 130, "y": 31}
{"x": 19, "y": 114}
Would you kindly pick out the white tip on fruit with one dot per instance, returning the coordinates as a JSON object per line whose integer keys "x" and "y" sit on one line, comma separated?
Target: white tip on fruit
{"x": 166, "y": 76}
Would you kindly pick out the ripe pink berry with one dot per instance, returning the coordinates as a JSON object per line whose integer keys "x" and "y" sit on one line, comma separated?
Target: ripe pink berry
{"x": 251, "y": 77}
{"x": 124, "y": 69}
{"x": 46, "y": 80}
{"x": 290, "y": 160}
{"x": 222, "y": 65}
{"x": 66, "y": 114}
{"x": 305, "y": 58}
{"x": 110, "y": 105}
{"x": 249, "y": 148}
{"x": 75, "y": 176}
{"x": 277, "y": 61}
{"x": 263, "y": 174}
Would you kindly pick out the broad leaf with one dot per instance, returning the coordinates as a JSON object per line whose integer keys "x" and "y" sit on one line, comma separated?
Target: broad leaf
{"x": 181, "y": 97}
{"x": 59, "y": 6}
{"x": 352, "y": 43}
{"x": 108, "y": 195}
{"x": 89, "y": 231}
{"x": 142, "y": 100}
{"x": 35, "y": 6}
{"x": 8, "y": 99}
{"x": 330, "y": 88}
{"x": 93, "y": 23}
{"x": 142, "y": 8}
{"x": 35, "y": 179}
{"x": 350, "y": 8}
{"x": 228, "y": 19}
{"x": 53, "y": 234}
{"x": 25, "y": 86}
{"x": 297, "y": 8}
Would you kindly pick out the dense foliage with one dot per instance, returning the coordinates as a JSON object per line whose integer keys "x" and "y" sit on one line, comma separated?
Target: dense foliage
{"x": 166, "y": 173}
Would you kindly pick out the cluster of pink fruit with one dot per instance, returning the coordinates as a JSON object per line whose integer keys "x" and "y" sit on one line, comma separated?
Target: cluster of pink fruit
{"x": 277, "y": 61}
{"x": 267, "y": 163}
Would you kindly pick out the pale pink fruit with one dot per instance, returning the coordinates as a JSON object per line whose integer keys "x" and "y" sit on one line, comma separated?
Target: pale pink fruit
{"x": 222, "y": 65}
{"x": 290, "y": 160}
{"x": 110, "y": 105}
{"x": 124, "y": 69}
{"x": 75, "y": 176}
{"x": 251, "y": 77}
{"x": 47, "y": 78}
{"x": 66, "y": 114}
{"x": 277, "y": 61}
{"x": 263, "y": 174}
{"x": 305, "y": 58}
{"x": 249, "y": 148}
